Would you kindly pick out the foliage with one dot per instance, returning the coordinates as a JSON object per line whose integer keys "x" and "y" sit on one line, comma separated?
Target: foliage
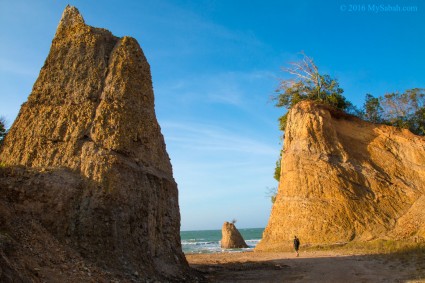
{"x": 277, "y": 170}
{"x": 403, "y": 110}
{"x": 282, "y": 121}
{"x": 278, "y": 167}
{"x": 307, "y": 83}
{"x": 372, "y": 109}
{"x": 272, "y": 194}
{"x": 2, "y": 130}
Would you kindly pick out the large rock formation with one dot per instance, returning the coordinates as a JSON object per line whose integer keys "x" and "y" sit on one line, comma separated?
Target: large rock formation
{"x": 231, "y": 238}
{"x": 343, "y": 179}
{"x": 100, "y": 181}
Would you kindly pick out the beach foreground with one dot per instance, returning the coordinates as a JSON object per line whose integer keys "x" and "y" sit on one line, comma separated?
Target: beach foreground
{"x": 313, "y": 266}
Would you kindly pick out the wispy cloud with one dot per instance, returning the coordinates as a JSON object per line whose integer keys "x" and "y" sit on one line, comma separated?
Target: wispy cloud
{"x": 214, "y": 138}
{"x": 231, "y": 88}
{"x": 219, "y": 170}
{"x": 238, "y": 88}
{"x": 202, "y": 35}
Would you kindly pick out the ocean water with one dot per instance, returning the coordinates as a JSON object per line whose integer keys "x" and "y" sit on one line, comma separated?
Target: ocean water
{"x": 208, "y": 241}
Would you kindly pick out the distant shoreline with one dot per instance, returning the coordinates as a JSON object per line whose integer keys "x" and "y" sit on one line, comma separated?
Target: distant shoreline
{"x": 208, "y": 241}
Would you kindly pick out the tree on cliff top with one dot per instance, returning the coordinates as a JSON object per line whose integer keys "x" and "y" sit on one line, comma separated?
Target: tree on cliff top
{"x": 372, "y": 109}
{"x": 307, "y": 83}
{"x": 403, "y": 110}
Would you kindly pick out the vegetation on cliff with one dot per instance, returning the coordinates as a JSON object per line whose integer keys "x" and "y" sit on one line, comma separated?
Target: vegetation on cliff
{"x": 402, "y": 110}
{"x": 307, "y": 83}
{"x": 344, "y": 179}
{"x": 2, "y": 130}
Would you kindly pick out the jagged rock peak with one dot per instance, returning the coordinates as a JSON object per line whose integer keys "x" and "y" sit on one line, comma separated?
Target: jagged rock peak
{"x": 110, "y": 194}
{"x": 71, "y": 16}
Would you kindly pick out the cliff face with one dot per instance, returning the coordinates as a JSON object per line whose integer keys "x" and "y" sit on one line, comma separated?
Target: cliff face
{"x": 343, "y": 179}
{"x": 89, "y": 128}
{"x": 231, "y": 238}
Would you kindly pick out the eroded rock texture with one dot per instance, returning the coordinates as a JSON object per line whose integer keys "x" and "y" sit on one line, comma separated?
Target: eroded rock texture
{"x": 231, "y": 237}
{"x": 343, "y": 179}
{"x": 103, "y": 182}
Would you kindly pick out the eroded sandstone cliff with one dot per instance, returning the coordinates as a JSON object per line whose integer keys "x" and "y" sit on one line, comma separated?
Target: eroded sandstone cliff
{"x": 343, "y": 179}
{"x": 95, "y": 175}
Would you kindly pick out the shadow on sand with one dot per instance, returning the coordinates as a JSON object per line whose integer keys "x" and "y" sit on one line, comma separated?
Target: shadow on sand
{"x": 317, "y": 267}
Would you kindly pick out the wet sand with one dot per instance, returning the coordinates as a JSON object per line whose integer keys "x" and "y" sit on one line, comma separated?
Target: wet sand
{"x": 320, "y": 266}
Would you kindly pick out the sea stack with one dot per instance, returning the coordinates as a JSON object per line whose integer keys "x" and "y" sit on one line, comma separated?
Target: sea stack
{"x": 344, "y": 179}
{"x": 231, "y": 238}
{"x": 94, "y": 173}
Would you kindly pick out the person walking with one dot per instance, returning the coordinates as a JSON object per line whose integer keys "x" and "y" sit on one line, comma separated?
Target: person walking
{"x": 296, "y": 245}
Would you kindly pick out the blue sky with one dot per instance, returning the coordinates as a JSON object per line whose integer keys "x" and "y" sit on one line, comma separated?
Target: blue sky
{"x": 214, "y": 66}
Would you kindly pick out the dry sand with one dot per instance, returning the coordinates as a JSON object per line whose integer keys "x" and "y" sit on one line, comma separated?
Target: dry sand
{"x": 320, "y": 266}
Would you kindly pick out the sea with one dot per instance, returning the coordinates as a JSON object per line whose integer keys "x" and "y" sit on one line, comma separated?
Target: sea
{"x": 208, "y": 241}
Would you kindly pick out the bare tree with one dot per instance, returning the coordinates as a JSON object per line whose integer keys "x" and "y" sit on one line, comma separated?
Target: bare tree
{"x": 305, "y": 72}
{"x": 271, "y": 193}
{"x": 307, "y": 82}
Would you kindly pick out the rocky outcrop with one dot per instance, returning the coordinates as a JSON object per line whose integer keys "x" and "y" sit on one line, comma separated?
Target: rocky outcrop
{"x": 343, "y": 179}
{"x": 231, "y": 238}
{"x": 101, "y": 179}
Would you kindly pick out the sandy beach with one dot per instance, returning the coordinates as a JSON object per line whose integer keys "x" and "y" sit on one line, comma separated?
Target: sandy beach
{"x": 313, "y": 266}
